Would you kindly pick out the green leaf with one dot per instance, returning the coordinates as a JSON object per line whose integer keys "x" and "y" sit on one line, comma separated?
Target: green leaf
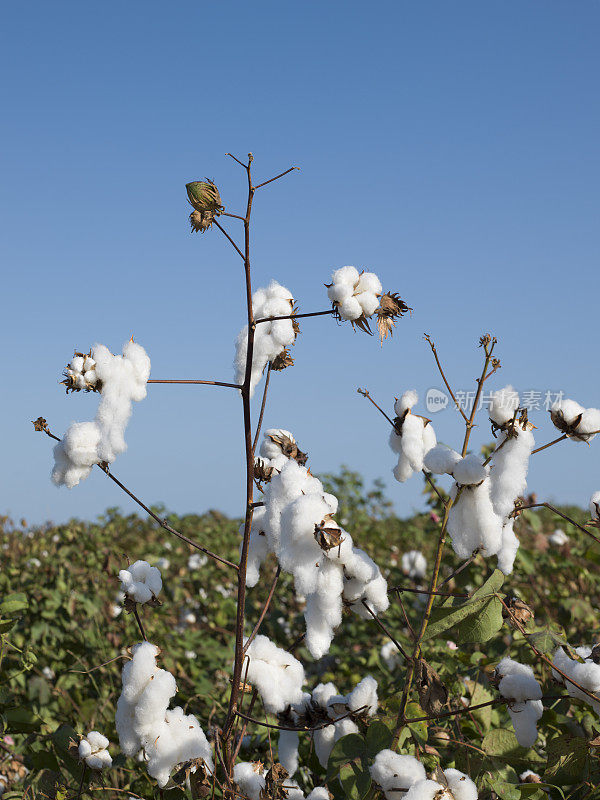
{"x": 417, "y": 729}
{"x": 346, "y": 749}
{"x": 567, "y": 757}
{"x": 445, "y": 617}
{"x": 379, "y": 737}
{"x": 22, "y": 720}
{"x": 356, "y": 780}
{"x": 13, "y": 603}
{"x": 501, "y": 743}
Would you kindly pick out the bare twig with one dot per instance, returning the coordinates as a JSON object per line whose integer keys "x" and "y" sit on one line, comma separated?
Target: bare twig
{"x": 294, "y": 316}
{"x": 276, "y": 178}
{"x": 561, "y": 514}
{"x": 448, "y": 387}
{"x": 194, "y": 382}
{"x": 224, "y": 232}
{"x": 383, "y": 628}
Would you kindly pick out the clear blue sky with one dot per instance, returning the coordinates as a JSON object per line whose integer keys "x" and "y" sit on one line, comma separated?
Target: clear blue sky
{"x": 452, "y": 147}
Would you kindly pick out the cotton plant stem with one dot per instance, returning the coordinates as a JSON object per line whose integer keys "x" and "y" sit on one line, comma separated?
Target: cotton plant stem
{"x": 139, "y": 623}
{"x": 154, "y": 516}
{"x": 365, "y": 393}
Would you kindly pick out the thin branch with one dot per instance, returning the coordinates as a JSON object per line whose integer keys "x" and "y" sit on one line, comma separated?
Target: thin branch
{"x": 448, "y": 387}
{"x": 431, "y": 482}
{"x": 544, "y": 446}
{"x": 151, "y": 513}
{"x": 295, "y": 316}
{"x": 564, "y": 516}
{"x": 382, "y": 627}
{"x": 276, "y": 178}
{"x": 262, "y": 408}
{"x": 400, "y": 589}
{"x": 234, "y": 216}
{"x": 365, "y": 393}
{"x": 458, "y": 570}
{"x": 222, "y": 229}
{"x": 304, "y": 729}
{"x": 194, "y": 382}
{"x": 264, "y": 611}
{"x": 139, "y": 622}
{"x": 241, "y": 163}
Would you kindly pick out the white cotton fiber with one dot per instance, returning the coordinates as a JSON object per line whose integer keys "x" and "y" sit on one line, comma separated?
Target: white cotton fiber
{"x": 524, "y": 717}
{"x": 503, "y": 404}
{"x": 405, "y": 402}
{"x": 258, "y": 546}
{"x": 509, "y": 467}
{"x": 93, "y": 749}
{"x": 427, "y": 790}
{"x": 519, "y": 685}
{"x": 469, "y": 471}
{"x": 124, "y": 380}
{"x": 396, "y": 773}
{"x": 586, "y": 674}
{"x": 141, "y": 582}
{"x": 363, "y": 698}
{"x": 461, "y": 786}
{"x": 390, "y": 655}
{"x": 250, "y": 777}
{"x": 473, "y": 523}
{"x": 508, "y": 548}
{"x": 414, "y": 564}
{"x": 416, "y": 438}
{"x": 276, "y": 674}
{"x": 350, "y": 309}
{"x": 288, "y": 750}
{"x": 354, "y": 295}
{"x": 441, "y": 459}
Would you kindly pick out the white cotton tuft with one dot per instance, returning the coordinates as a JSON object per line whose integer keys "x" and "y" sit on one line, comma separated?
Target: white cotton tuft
{"x": 258, "y": 546}
{"x": 363, "y": 698}
{"x": 461, "y": 786}
{"x": 345, "y": 275}
{"x": 350, "y": 309}
{"x": 250, "y": 777}
{"x": 558, "y": 538}
{"x": 288, "y": 750}
{"x": 141, "y": 582}
{"x": 473, "y": 523}
{"x": 276, "y": 674}
{"x": 503, "y": 405}
{"x": 405, "y": 402}
{"x": 441, "y": 460}
{"x": 519, "y": 685}
{"x": 508, "y": 548}
{"x": 124, "y": 380}
{"x": 414, "y": 564}
{"x": 390, "y": 655}
{"x": 470, "y": 471}
{"x": 524, "y": 717}
{"x": 93, "y": 749}
{"x": 318, "y": 793}
{"x": 354, "y": 295}
{"x": 585, "y": 673}
{"x": 395, "y": 773}
{"x": 427, "y": 790}
{"x": 509, "y": 467}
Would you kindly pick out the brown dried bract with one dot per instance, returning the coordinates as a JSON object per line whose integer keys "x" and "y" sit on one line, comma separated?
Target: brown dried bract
{"x": 274, "y": 783}
{"x": 282, "y": 361}
{"x": 289, "y": 447}
{"x": 262, "y": 472}
{"x": 518, "y": 610}
{"x": 327, "y": 534}
{"x": 433, "y": 695}
{"x": 391, "y": 307}
{"x": 40, "y": 424}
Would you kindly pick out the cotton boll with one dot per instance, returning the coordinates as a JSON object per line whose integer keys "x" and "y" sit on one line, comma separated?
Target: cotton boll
{"x": 503, "y": 405}
{"x": 93, "y": 749}
{"x": 414, "y": 564}
{"x": 141, "y": 582}
{"x": 558, "y": 538}
{"x": 318, "y": 793}
{"x": 508, "y": 474}
{"x": 472, "y": 522}
{"x": 469, "y": 471}
{"x": 369, "y": 282}
{"x": 270, "y": 448}
{"x": 250, "y": 778}
{"x": 395, "y": 441}
{"x": 441, "y": 459}
{"x": 590, "y": 423}
{"x": 276, "y": 674}
{"x": 518, "y": 681}
{"x": 323, "y": 612}
{"x": 569, "y": 410}
{"x": 363, "y": 698}
{"x": 81, "y": 443}
{"x": 396, "y": 773}
{"x": 77, "y": 364}
{"x": 288, "y": 750}
{"x": 344, "y": 727}
{"x": 429, "y": 437}
{"x": 369, "y": 302}
{"x": 427, "y": 790}
{"x": 405, "y": 402}
{"x": 323, "y": 740}
{"x": 461, "y": 786}
{"x": 403, "y": 469}
{"x": 322, "y": 694}
{"x": 524, "y": 717}
{"x": 412, "y": 441}
{"x": 350, "y": 309}
{"x": 347, "y": 275}
{"x": 586, "y": 674}
{"x": 508, "y": 548}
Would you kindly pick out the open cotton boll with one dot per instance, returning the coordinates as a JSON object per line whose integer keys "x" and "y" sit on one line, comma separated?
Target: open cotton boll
{"x": 323, "y": 740}
{"x": 338, "y": 292}
{"x": 405, "y": 402}
{"x": 590, "y": 423}
{"x": 250, "y": 778}
{"x": 508, "y": 548}
{"x": 414, "y": 564}
{"x": 586, "y": 674}
{"x": 288, "y": 750}
{"x": 441, "y": 459}
{"x": 141, "y": 582}
{"x": 396, "y": 773}
{"x": 323, "y": 612}
{"x": 412, "y": 441}
{"x": 318, "y": 793}
{"x": 258, "y": 546}
{"x": 427, "y": 790}
{"x": 503, "y": 404}
{"x": 322, "y": 694}
{"x": 271, "y": 447}
{"x": 524, "y": 717}
{"x": 509, "y": 466}
{"x": 469, "y": 471}
{"x": 363, "y": 698}
{"x": 473, "y": 523}
{"x": 93, "y": 749}
{"x": 276, "y": 674}
{"x": 558, "y": 538}
{"x": 517, "y": 681}
{"x": 461, "y": 786}
{"x": 568, "y": 409}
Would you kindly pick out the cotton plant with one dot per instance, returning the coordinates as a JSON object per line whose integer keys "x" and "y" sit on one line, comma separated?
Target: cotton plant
{"x": 395, "y": 773}
{"x": 576, "y": 422}
{"x": 275, "y": 673}
{"x": 584, "y": 669}
{"x": 120, "y": 381}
